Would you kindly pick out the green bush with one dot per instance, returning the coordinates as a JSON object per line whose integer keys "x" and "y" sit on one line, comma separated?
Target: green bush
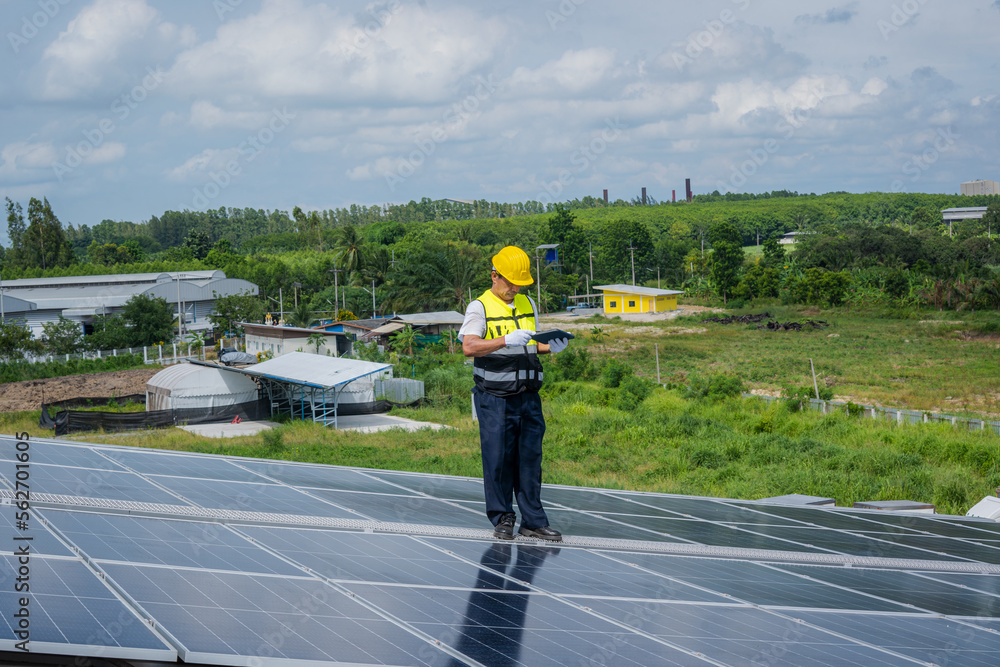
{"x": 614, "y": 372}
{"x": 807, "y": 392}
{"x": 715, "y": 387}
{"x": 20, "y": 371}
{"x": 572, "y": 364}
{"x": 451, "y": 380}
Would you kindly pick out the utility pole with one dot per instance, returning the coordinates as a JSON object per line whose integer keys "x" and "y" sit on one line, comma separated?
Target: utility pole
{"x": 632, "y": 250}
{"x": 591, "y": 262}
{"x": 336, "y": 306}
{"x": 281, "y": 305}
{"x": 180, "y": 331}
{"x": 657, "y": 277}
{"x": 538, "y": 285}
{"x": 296, "y": 287}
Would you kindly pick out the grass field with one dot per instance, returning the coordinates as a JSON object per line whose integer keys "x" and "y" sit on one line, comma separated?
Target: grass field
{"x": 733, "y": 447}
{"x": 924, "y": 361}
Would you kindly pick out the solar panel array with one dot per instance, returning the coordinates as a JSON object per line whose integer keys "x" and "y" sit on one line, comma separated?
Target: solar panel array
{"x": 150, "y": 555}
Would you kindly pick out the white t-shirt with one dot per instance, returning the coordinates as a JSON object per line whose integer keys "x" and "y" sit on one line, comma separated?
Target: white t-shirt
{"x": 475, "y": 318}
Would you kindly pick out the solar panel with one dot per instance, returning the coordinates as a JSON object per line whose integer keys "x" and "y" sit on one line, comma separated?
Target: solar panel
{"x": 72, "y": 613}
{"x": 353, "y": 556}
{"x": 937, "y": 640}
{"x": 92, "y": 483}
{"x": 249, "y": 497}
{"x": 743, "y": 635}
{"x": 329, "y": 564}
{"x": 216, "y": 616}
{"x": 756, "y": 583}
{"x": 64, "y": 455}
{"x": 178, "y": 465}
{"x": 509, "y": 628}
{"x": 907, "y": 588}
{"x": 42, "y": 541}
{"x": 574, "y": 571}
{"x": 404, "y": 509}
{"x": 118, "y": 537}
{"x": 324, "y": 477}
{"x": 709, "y": 510}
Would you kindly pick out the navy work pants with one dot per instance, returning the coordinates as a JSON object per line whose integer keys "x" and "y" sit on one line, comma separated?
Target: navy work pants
{"x": 510, "y": 434}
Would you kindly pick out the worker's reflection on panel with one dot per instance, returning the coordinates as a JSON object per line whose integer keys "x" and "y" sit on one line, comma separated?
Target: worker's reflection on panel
{"x": 494, "y": 616}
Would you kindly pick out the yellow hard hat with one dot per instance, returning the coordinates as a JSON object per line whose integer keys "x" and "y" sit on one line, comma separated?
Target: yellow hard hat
{"x": 513, "y": 264}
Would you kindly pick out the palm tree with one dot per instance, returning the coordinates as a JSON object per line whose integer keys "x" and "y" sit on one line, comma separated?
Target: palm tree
{"x": 301, "y": 316}
{"x": 349, "y": 246}
{"x": 404, "y": 339}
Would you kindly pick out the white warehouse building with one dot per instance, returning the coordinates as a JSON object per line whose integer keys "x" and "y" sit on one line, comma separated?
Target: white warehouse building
{"x": 82, "y": 298}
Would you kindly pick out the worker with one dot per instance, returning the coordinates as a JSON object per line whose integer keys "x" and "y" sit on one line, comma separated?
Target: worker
{"x": 497, "y": 333}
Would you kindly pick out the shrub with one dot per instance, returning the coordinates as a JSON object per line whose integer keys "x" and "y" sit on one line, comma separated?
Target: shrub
{"x": 614, "y": 372}
{"x": 715, "y": 387}
{"x": 573, "y": 365}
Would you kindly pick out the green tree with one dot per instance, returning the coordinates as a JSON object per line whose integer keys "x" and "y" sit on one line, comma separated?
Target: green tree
{"x": 15, "y": 233}
{"x": 350, "y": 250}
{"x": 774, "y": 255}
{"x": 301, "y": 316}
{"x": 63, "y": 336}
{"x": 199, "y": 243}
{"x": 110, "y": 332}
{"x": 727, "y": 258}
{"x": 150, "y": 320}
{"x": 404, "y": 340}
{"x": 992, "y": 218}
{"x": 230, "y": 310}
{"x": 317, "y": 339}
{"x": 16, "y": 341}
{"x": 621, "y": 240}
{"x": 44, "y": 243}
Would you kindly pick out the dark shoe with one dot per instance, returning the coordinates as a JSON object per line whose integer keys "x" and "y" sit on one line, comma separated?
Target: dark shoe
{"x": 543, "y": 533}
{"x": 505, "y": 526}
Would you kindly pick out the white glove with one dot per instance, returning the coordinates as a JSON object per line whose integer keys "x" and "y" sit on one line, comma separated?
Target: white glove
{"x": 557, "y": 345}
{"x": 518, "y": 338}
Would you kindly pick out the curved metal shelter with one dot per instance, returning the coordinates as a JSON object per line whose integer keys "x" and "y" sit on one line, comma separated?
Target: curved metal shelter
{"x": 309, "y": 386}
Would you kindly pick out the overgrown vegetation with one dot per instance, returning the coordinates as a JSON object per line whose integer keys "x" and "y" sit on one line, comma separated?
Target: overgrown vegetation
{"x": 14, "y": 371}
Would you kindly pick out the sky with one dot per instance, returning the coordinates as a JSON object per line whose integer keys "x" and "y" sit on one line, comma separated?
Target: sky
{"x": 122, "y": 109}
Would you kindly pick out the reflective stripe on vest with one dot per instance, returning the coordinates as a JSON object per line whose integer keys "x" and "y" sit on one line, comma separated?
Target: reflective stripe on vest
{"x": 509, "y": 370}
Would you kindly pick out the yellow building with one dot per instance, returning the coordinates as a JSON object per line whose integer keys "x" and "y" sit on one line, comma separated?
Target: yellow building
{"x": 623, "y": 299}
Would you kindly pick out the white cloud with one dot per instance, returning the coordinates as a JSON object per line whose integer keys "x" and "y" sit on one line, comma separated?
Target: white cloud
{"x": 875, "y": 86}
{"x": 109, "y": 151}
{"x": 574, "y": 72}
{"x": 290, "y": 49}
{"x": 22, "y": 156}
{"x": 206, "y": 116}
{"x": 208, "y": 160}
{"x": 106, "y": 45}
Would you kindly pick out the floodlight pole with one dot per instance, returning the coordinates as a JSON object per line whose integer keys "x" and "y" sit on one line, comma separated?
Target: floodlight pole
{"x": 538, "y": 285}
{"x": 180, "y": 332}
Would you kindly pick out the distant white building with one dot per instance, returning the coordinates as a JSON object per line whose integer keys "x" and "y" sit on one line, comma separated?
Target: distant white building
{"x": 82, "y": 298}
{"x": 791, "y": 238}
{"x": 972, "y": 188}
{"x": 953, "y": 215}
{"x": 278, "y": 340}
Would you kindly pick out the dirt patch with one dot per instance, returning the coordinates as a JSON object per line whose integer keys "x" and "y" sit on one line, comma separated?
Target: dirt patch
{"x": 30, "y": 394}
{"x": 620, "y": 328}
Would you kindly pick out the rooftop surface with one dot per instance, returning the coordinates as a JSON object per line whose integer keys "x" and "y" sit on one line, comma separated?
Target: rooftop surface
{"x": 642, "y": 291}
{"x": 145, "y": 554}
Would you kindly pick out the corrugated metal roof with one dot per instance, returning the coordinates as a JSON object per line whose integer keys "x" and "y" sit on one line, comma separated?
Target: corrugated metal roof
{"x": 385, "y": 328}
{"x": 642, "y": 291}
{"x": 442, "y": 317}
{"x": 14, "y": 305}
{"x": 114, "y": 279}
{"x": 313, "y": 370}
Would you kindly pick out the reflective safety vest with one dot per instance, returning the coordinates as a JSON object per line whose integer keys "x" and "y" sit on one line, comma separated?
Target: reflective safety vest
{"x": 510, "y": 370}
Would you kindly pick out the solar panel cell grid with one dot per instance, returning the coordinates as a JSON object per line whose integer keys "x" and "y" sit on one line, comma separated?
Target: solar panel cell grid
{"x": 230, "y": 594}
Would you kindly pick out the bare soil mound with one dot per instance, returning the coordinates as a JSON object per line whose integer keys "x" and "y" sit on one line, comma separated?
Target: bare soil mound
{"x": 30, "y": 394}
